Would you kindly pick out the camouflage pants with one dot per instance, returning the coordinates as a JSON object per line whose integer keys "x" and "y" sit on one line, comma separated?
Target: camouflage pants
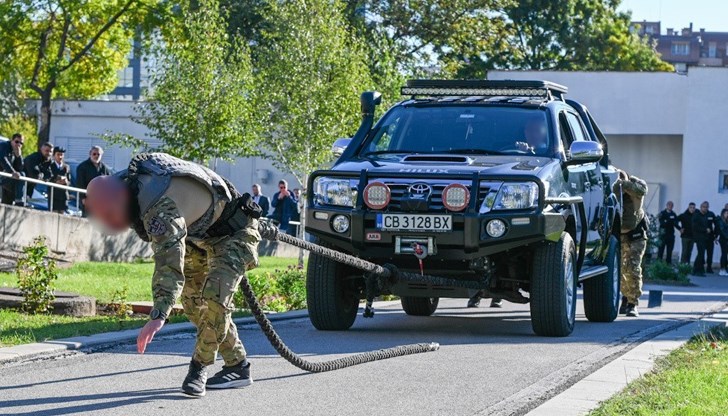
{"x": 632, "y": 253}
{"x": 213, "y": 269}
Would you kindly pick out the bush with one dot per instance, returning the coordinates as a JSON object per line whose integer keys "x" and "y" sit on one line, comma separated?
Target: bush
{"x": 659, "y": 270}
{"x": 280, "y": 291}
{"x": 120, "y": 303}
{"x": 36, "y": 274}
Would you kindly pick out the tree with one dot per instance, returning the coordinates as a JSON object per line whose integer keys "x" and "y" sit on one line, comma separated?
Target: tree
{"x": 200, "y": 104}
{"x": 310, "y": 75}
{"x": 570, "y": 35}
{"x": 67, "y": 48}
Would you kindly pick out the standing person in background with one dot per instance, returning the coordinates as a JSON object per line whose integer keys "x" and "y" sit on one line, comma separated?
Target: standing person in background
{"x": 293, "y": 228}
{"x": 686, "y": 233}
{"x": 38, "y": 165}
{"x": 723, "y": 239}
{"x": 633, "y": 239}
{"x": 668, "y": 224}
{"x": 89, "y": 169}
{"x": 284, "y": 206}
{"x": 261, "y": 199}
{"x": 11, "y": 160}
{"x": 710, "y": 246}
{"x": 61, "y": 174}
{"x": 703, "y": 235}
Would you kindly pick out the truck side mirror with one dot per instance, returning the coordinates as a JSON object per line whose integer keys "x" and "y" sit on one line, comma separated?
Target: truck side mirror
{"x": 339, "y": 146}
{"x": 583, "y": 152}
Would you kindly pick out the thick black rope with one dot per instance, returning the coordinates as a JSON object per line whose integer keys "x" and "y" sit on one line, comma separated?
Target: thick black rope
{"x": 320, "y": 367}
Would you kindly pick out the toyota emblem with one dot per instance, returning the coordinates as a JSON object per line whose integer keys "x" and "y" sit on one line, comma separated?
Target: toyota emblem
{"x": 420, "y": 190}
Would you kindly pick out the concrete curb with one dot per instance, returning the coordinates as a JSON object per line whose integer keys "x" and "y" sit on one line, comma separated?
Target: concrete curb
{"x": 17, "y": 353}
{"x": 588, "y": 393}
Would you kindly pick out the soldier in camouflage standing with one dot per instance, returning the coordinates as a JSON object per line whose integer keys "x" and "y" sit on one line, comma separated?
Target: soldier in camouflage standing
{"x": 204, "y": 235}
{"x": 633, "y": 239}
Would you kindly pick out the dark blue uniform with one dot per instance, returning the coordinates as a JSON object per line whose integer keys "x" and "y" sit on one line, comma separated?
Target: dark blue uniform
{"x": 668, "y": 225}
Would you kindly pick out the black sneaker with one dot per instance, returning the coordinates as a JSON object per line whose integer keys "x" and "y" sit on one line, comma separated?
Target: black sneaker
{"x": 194, "y": 384}
{"x": 632, "y": 310}
{"x": 474, "y": 302}
{"x": 623, "y": 306}
{"x": 496, "y": 303}
{"x": 231, "y": 377}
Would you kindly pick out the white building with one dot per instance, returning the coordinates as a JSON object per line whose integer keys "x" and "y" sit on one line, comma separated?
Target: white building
{"x": 76, "y": 125}
{"x": 666, "y": 128}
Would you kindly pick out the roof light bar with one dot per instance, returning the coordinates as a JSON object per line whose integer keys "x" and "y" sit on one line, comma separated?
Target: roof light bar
{"x": 506, "y": 88}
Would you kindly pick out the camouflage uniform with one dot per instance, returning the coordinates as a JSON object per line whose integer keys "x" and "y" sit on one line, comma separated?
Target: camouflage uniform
{"x": 204, "y": 270}
{"x": 633, "y": 246}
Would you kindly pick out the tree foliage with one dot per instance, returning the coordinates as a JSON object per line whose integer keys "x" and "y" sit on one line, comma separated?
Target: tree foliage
{"x": 70, "y": 49}
{"x": 308, "y": 82}
{"x": 200, "y": 106}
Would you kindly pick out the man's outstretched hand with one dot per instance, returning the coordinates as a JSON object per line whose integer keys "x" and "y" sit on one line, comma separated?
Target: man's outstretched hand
{"x": 147, "y": 334}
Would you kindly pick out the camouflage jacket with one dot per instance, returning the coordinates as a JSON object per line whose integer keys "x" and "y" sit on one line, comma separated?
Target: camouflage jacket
{"x": 633, "y": 195}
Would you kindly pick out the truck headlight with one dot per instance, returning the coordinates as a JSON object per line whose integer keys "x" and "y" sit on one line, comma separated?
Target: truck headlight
{"x": 334, "y": 191}
{"x": 521, "y": 195}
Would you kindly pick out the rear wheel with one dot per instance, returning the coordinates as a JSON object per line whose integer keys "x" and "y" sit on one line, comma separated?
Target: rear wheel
{"x": 601, "y": 293}
{"x": 553, "y": 288}
{"x": 331, "y": 297}
{"x": 417, "y": 306}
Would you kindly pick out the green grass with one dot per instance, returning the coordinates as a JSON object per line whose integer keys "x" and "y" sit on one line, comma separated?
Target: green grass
{"x": 692, "y": 380}
{"x": 100, "y": 280}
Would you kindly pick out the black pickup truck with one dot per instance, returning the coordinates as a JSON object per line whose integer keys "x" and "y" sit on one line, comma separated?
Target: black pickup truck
{"x": 505, "y": 183}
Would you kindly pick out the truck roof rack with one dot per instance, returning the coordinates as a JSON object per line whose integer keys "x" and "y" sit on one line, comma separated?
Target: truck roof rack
{"x": 544, "y": 90}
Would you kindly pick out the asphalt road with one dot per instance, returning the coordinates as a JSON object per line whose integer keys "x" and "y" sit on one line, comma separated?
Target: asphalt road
{"x": 490, "y": 363}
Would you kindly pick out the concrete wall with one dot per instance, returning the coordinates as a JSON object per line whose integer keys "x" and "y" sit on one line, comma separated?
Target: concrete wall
{"x": 75, "y": 239}
{"x": 71, "y": 238}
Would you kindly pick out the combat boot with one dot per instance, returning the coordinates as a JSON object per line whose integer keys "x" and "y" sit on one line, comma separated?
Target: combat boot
{"x": 231, "y": 377}
{"x": 623, "y": 306}
{"x": 632, "y": 310}
{"x": 194, "y": 384}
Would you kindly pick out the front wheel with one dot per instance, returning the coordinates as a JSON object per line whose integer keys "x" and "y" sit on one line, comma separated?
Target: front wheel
{"x": 331, "y": 297}
{"x": 601, "y": 293}
{"x": 553, "y": 288}
{"x": 417, "y": 306}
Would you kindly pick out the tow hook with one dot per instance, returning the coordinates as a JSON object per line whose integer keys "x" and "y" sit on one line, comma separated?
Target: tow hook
{"x": 420, "y": 252}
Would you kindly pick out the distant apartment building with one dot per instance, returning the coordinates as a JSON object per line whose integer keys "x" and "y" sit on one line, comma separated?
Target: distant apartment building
{"x": 685, "y": 48}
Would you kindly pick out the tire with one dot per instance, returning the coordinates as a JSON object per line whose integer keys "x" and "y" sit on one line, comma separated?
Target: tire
{"x": 417, "y": 306}
{"x": 553, "y": 288}
{"x": 331, "y": 298}
{"x": 601, "y": 293}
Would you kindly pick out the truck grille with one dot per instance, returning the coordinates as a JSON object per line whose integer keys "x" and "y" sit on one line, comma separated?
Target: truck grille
{"x": 401, "y": 190}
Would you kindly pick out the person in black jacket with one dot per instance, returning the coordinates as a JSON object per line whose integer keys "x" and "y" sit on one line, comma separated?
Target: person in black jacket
{"x": 11, "y": 161}
{"x": 703, "y": 235}
{"x": 261, "y": 199}
{"x": 89, "y": 169}
{"x": 686, "y": 233}
{"x": 38, "y": 165}
{"x": 61, "y": 174}
{"x": 668, "y": 224}
{"x": 723, "y": 239}
{"x": 710, "y": 247}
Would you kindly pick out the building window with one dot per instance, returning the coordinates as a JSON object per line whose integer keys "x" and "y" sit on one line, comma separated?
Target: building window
{"x": 650, "y": 29}
{"x": 680, "y": 48}
{"x": 712, "y": 49}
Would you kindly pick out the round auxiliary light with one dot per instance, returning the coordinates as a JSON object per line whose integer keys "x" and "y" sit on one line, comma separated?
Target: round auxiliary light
{"x": 495, "y": 228}
{"x": 340, "y": 224}
{"x": 377, "y": 195}
{"x": 455, "y": 197}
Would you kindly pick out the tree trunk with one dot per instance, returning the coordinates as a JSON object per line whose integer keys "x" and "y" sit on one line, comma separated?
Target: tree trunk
{"x": 44, "y": 131}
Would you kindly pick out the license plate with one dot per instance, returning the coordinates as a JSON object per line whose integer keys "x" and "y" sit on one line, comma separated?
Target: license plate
{"x": 414, "y": 222}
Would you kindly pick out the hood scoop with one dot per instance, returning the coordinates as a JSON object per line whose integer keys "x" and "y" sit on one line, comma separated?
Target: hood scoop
{"x": 438, "y": 159}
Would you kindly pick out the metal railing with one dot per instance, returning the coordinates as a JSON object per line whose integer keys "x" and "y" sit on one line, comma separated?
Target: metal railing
{"x": 51, "y": 185}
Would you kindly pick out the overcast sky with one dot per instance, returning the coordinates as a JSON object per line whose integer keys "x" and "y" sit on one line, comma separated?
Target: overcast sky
{"x": 709, "y": 14}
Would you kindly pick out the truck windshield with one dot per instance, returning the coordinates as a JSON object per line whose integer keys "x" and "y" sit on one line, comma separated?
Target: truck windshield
{"x": 461, "y": 129}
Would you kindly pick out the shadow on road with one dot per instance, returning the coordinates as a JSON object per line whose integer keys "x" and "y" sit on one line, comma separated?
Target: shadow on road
{"x": 107, "y": 401}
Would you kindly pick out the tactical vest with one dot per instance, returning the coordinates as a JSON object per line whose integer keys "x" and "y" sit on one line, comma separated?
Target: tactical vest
{"x": 163, "y": 167}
